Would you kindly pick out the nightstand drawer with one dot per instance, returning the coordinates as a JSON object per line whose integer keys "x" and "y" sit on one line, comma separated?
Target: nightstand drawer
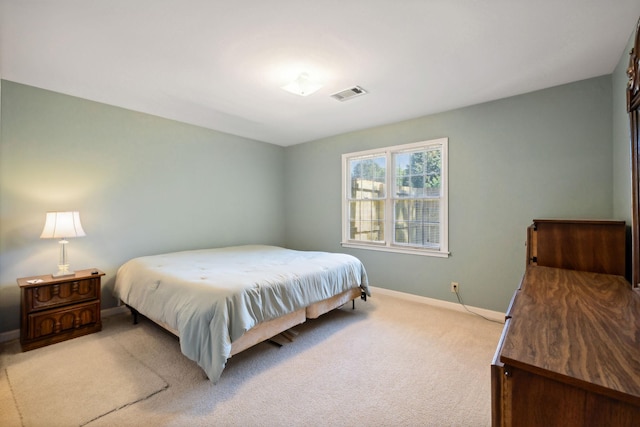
{"x": 58, "y": 294}
{"x": 53, "y": 322}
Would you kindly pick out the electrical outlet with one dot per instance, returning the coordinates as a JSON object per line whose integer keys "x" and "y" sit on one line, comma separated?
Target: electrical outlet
{"x": 455, "y": 287}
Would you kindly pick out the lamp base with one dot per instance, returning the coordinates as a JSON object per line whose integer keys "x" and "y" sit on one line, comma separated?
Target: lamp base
{"x": 63, "y": 271}
{"x": 63, "y": 274}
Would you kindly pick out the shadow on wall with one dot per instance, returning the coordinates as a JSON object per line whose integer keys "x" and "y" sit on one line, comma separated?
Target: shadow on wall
{"x": 9, "y": 294}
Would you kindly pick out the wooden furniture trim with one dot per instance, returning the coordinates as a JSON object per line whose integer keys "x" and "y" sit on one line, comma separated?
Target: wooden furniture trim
{"x": 633, "y": 104}
{"x": 48, "y": 279}
{"x": 509, "y": 312}
{"x": 499, "y": 411}
{"x": 579, "y": 221}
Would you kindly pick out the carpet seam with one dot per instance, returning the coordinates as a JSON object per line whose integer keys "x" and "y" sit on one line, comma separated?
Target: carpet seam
{"x": 13, "y": 395}
{"x": 164, "y": 380}
{"x": 166, "y": 386}
{"x": 140, "y": 361}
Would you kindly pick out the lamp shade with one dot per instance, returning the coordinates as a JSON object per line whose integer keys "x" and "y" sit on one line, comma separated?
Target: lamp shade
{"x": 62, "y": 225}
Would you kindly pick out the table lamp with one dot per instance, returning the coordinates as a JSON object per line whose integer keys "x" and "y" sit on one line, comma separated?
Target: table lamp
{"x": 62, "y": 225}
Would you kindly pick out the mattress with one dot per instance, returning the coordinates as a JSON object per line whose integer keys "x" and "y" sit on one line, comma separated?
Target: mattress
{"x": 211, "y": 297}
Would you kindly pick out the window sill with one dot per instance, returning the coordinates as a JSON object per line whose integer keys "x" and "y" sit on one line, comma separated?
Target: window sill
{"x": 397, "y": 249}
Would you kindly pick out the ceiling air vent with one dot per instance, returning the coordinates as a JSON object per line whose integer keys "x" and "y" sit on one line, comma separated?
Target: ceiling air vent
{"x": 350, "y": 93}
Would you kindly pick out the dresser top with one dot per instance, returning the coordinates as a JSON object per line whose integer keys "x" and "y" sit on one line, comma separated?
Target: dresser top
{"x": 48, "y": 279}
{"x": 577, "y": 327}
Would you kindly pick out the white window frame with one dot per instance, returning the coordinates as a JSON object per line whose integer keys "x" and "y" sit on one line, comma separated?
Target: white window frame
{"x": 388, "y": 245}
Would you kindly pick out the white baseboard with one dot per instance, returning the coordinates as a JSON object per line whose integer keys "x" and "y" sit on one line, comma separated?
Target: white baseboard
{"x": 489, "y": 314}
{"x": 113, "y": 311}
{"x": 9, "y": 335}
{"x": 15, "y": 334}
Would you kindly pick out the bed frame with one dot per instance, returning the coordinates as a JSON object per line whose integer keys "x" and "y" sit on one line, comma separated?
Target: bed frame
{"x": 269, "y": 329}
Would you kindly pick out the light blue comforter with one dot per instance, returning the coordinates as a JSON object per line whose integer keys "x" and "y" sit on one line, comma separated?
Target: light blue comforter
{"x": 211, "y": 297}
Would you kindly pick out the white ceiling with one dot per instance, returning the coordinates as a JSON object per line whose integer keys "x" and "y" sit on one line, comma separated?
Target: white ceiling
{"x": 220, "y": 63}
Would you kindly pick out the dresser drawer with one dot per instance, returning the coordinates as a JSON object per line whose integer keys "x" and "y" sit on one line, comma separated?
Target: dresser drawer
{"x": 51, "y": 322}
{"x": 59, "y": 294}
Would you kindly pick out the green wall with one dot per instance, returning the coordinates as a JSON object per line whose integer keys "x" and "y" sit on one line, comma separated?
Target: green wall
{"x": 621, "y": 139}
{"x": 622, "y": 147}
{"x": 539, "y": 155}
{"x": 142, "y": 184}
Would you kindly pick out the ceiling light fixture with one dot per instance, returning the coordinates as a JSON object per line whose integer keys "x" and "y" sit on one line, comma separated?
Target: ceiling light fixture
{"x": 302, "y": 85}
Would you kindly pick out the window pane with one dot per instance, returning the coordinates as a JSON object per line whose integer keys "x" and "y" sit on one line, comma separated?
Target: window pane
{"x": 368, "y": 177}
{"x": 418, "y": 173}
{"x": 433, "y": 176}
{"x": 366, "y": 220}
{"x": 417, "y": 222}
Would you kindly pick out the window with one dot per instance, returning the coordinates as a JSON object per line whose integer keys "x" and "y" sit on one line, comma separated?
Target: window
{"x": 395, "y": 198}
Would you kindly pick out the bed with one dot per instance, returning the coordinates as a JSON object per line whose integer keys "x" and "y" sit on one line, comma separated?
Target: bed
{"x": 224, "y": 300}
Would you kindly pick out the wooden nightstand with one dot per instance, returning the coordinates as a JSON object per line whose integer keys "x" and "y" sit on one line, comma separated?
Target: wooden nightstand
{"x": 58, "y": 309}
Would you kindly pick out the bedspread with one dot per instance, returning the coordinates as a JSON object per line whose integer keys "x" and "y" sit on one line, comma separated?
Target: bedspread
{"x": 213, "y": 296}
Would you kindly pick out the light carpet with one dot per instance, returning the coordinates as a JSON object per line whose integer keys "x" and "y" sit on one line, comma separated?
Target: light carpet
{"x": 389, "y": 362}
{"x": 75, "y": 382}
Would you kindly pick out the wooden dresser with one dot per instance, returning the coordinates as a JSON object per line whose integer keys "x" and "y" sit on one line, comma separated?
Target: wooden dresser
{"x": 58, "y": 309}
{"x": 569, "y": 354}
